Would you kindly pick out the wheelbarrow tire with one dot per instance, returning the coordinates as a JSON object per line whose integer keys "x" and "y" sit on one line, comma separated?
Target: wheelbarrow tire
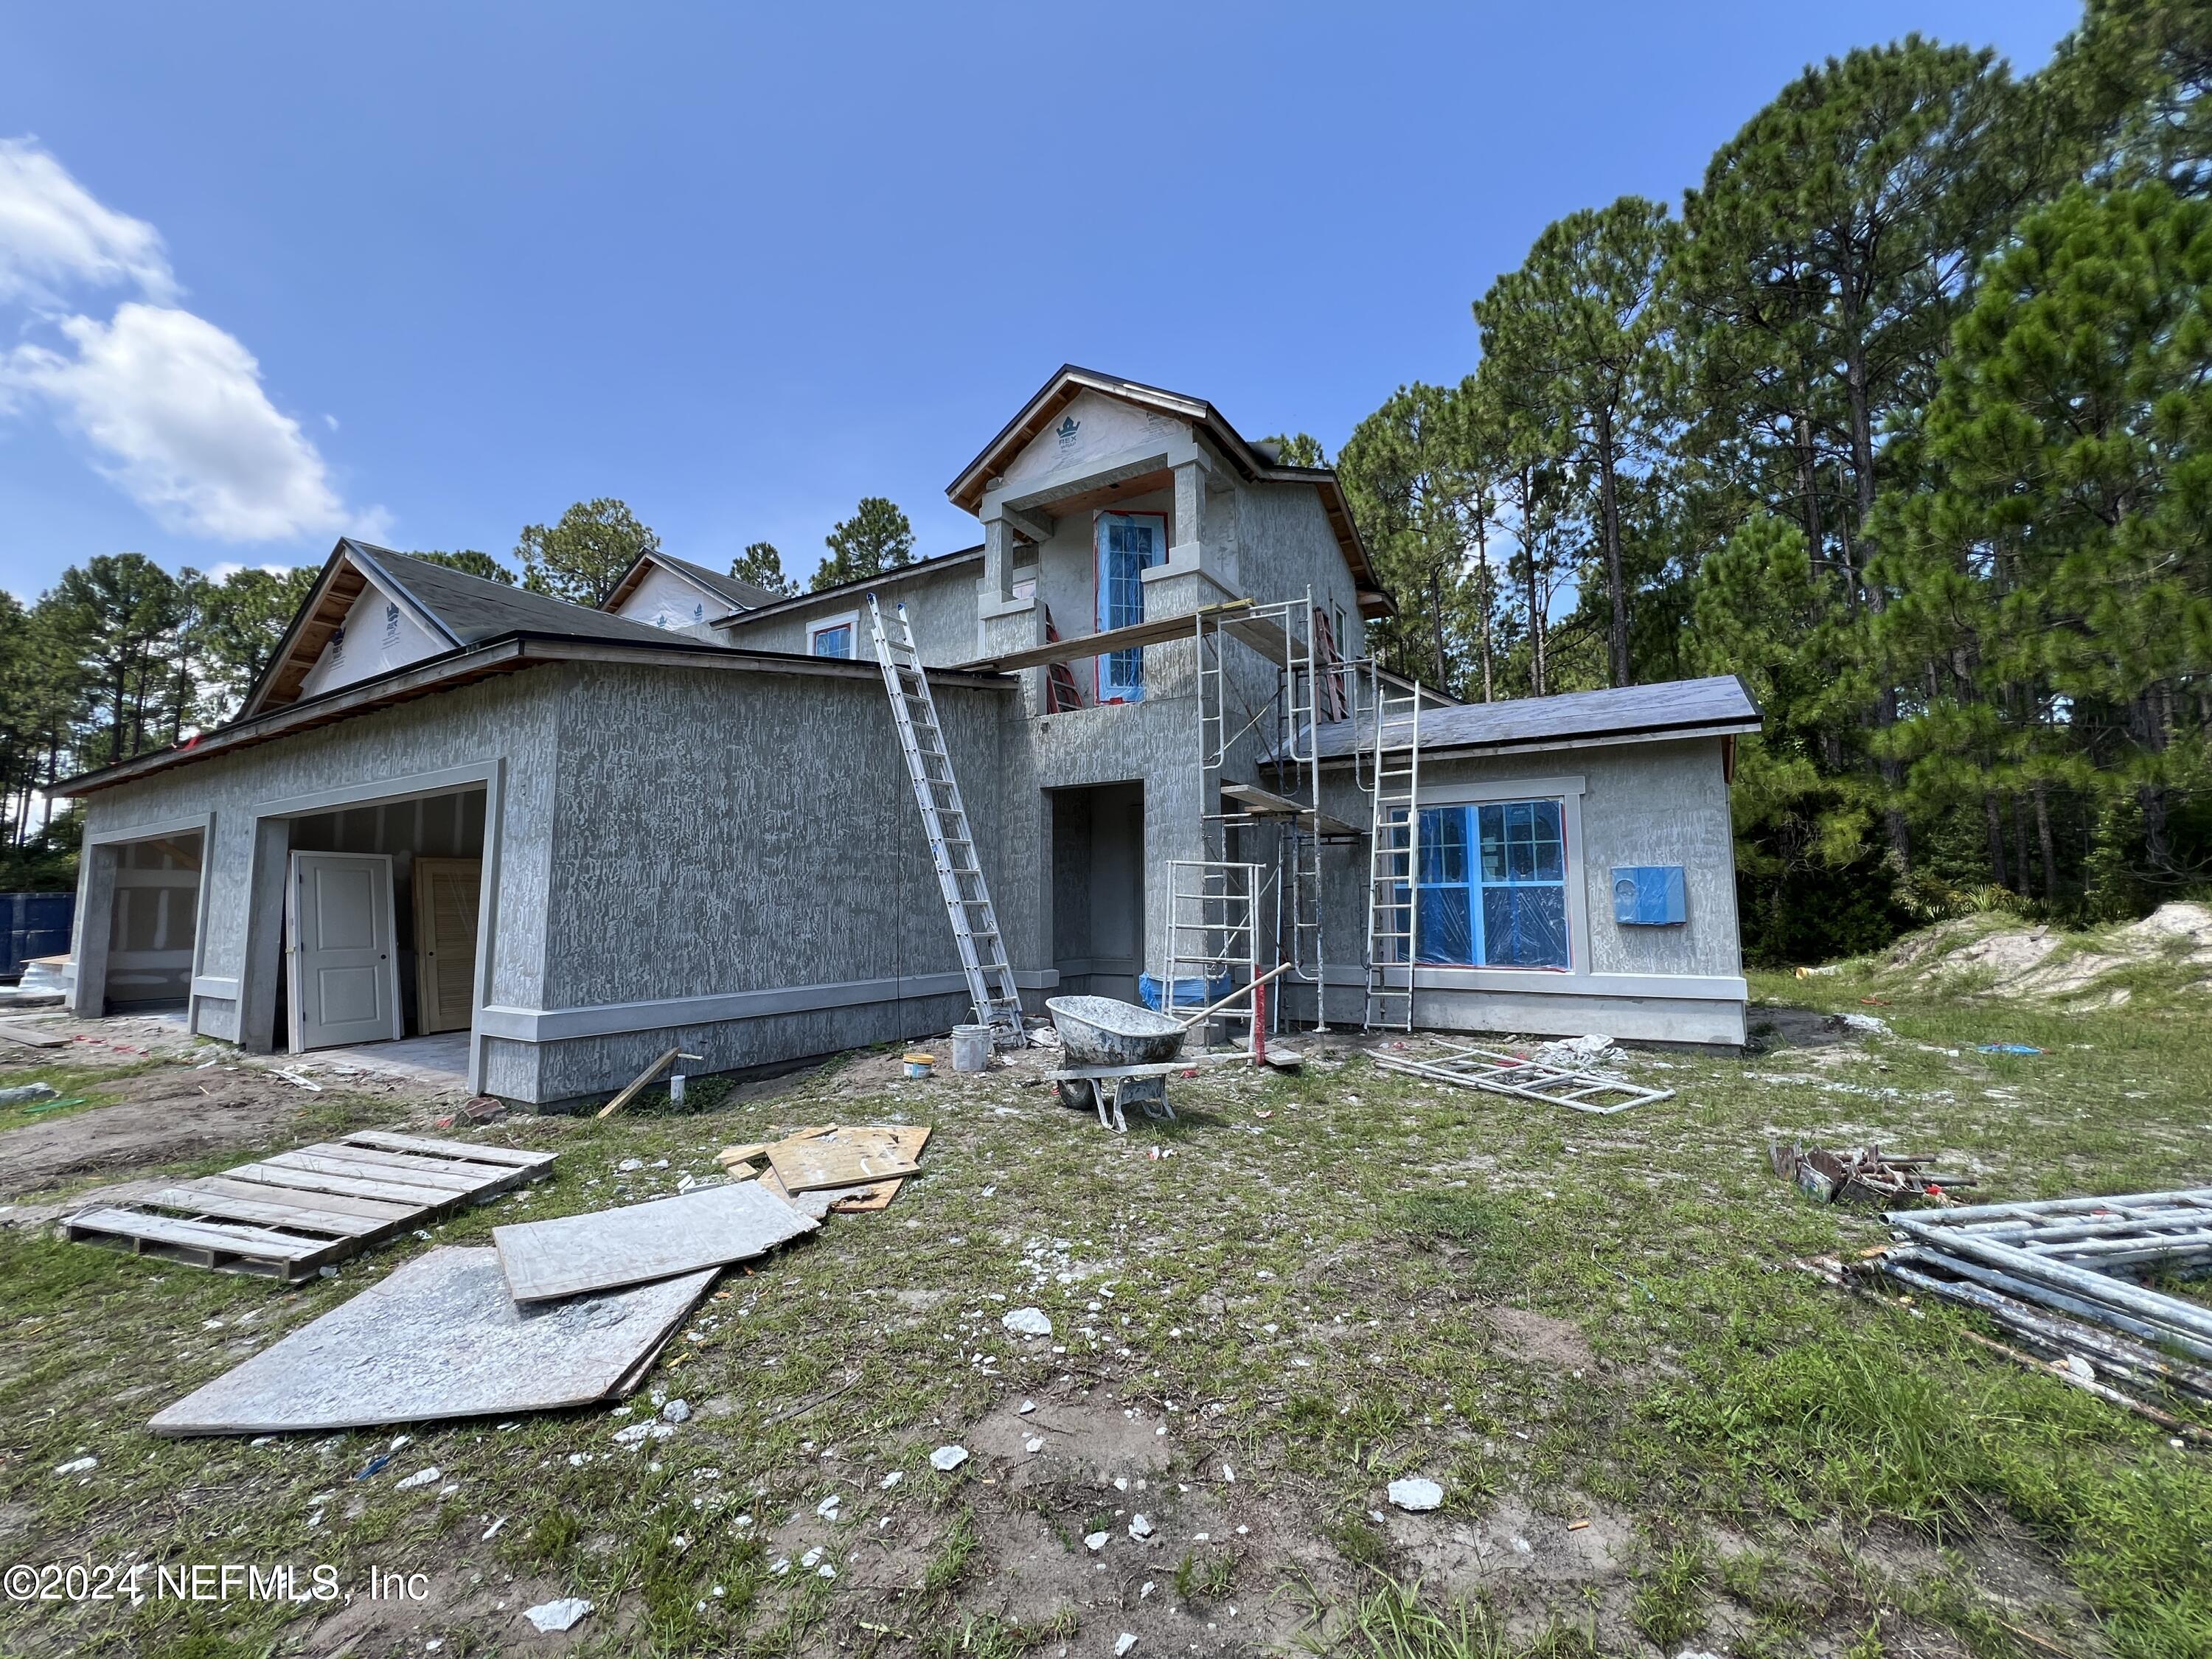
{"x": 1076, "y": 1096}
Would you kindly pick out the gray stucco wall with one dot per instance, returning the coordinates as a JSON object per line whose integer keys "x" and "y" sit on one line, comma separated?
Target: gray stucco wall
{"x": 1640, "y": 804}
{"x": 721, "y": 839}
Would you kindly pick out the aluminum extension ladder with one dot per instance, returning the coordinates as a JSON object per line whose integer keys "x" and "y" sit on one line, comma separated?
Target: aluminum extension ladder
{"x": 951, "y": 841}
{"x": 1394, "y": 857}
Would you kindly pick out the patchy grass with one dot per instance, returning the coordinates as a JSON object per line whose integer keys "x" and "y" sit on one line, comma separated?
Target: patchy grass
{"x": 1651, "y": 1432}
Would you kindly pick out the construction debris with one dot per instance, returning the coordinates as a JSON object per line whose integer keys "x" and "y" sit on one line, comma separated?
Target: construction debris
{"x": 290, "y": 1216}
{"x": 605, "y": 1250}
{"x": 858, "y": 1167}
{"x": 1860, "y": 1174}
{"x": 636, "y": 1085}
{"x": 440, "y": 1338}
{"x": 2061, "y": 1277}
{"x": 1560, "y": 1074}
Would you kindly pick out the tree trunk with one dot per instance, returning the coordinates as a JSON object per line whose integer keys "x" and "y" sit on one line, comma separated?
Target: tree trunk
{"x": 1482, "y": 561}
{"x": 1436, "y": 625}
{"x": 1609, "y": 529}
{"x": 1995, "y": 827}
{"x": 2042, "y": 797}
{"x": 1801, "y": 437}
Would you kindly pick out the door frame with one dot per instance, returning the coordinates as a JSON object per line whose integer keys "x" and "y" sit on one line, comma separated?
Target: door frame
{"x": 424, "y": 998}
{"x": 272, "y": 871}
{"x": 295, "y": 1028}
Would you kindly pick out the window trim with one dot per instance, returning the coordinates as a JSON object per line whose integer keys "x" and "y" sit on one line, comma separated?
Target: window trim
{"x": 1101, "y": 694}
{"x": 826, "y": 625}
{"x": 1568, "y": 790}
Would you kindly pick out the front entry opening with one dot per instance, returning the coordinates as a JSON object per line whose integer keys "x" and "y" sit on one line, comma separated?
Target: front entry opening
{"x": 380, "y": 926}
{"x": 1098, "y": 889}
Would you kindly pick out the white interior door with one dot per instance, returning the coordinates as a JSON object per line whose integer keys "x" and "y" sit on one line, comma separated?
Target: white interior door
{"x": 343, "y": 981}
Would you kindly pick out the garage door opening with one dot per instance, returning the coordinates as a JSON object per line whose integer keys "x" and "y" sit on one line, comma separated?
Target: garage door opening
{"x": 152, "y": 920}
{"x": 381, "y": 952}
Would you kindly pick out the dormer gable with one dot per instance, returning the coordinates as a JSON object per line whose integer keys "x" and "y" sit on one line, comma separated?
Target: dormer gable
{"x": 357, "y": 622}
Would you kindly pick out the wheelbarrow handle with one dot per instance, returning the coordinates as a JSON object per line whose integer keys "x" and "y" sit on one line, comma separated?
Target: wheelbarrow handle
{"x": 1241, "y": 991}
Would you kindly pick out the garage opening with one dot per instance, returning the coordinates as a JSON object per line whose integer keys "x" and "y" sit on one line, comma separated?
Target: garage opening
{"x": 152, "y": 923}
{"x": 380, "y": 926}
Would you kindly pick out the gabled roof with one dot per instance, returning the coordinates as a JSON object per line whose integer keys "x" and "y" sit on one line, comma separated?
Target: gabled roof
{"x": 738, "y": 595}
{"x": 1719, "y": 706}
{"x": 1070, "y": 382}
{"x": 451, "y": 606}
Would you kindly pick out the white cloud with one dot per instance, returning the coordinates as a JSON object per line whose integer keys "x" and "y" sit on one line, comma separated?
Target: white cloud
{"x": 172, "y": 405}
{"x": 56, "y": 236}
{"x": 175, "y": 409}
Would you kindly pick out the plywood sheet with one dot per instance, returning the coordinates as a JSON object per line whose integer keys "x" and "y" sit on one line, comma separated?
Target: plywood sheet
{"x": 440, "y": 1338}
{"x": 847, "y": 1157}
{"x": 603, "y": 1249}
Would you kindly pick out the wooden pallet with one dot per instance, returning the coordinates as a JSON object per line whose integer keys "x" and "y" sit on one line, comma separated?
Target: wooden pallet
{"x": 291, "y": 1215}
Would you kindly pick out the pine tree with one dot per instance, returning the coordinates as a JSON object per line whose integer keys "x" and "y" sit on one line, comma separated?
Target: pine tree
{"x": 762, "y": 566}
{"x": 876, "y": 538}
{"x": 582, "y": 556}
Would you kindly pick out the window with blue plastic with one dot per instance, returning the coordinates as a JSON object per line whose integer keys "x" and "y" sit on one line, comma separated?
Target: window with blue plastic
{"x": 834, "y": 642}
{"x": 1129, "y": 544}
{"x": 1649, "y": 894}
{"x": 1493, "y": 885}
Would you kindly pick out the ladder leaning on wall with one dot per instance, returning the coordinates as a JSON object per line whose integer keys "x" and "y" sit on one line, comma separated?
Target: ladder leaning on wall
{"x": 1394, "y": 856}
{"x": 952, "y": 835}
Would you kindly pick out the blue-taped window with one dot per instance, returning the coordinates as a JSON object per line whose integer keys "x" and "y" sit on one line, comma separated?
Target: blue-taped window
{"x": 834, "y": 642}
{"x": 1129, "y": 544}
{"x": 1493, "y": 885}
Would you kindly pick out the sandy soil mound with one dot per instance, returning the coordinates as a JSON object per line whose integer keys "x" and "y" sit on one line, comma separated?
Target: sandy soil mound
{"x": 2048, "y": 963}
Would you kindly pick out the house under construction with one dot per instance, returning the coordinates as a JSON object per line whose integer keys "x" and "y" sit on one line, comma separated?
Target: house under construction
{"x": 1140, "y": 722}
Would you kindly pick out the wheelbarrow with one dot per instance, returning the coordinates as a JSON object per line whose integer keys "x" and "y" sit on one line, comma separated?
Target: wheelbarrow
{"x": 1117, "y": 1052}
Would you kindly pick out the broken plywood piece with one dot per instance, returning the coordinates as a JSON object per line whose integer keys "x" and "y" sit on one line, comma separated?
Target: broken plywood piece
{"x": 293, "y": 1214}
{"x": 816, "y": 1205}
{"x": 605, "y": 1250}
{"x": 30, "y": 1036}
{"x": 844, "y": 1157}
{"x": 440, "y": 1338}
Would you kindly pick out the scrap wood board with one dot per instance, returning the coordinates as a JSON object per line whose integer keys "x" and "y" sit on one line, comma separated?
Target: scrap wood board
{"x": 440, "y": 1338}
{"x": 30, "y": 1036}
{"x": 289, "y": 1216}
{"x": 605, "y": 1250}
{"x": 847, "y": 1157}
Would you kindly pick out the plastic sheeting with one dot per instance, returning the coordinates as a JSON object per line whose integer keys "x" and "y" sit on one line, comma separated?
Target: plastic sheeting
{"x": 1190, "y": 991}
{"x": 1505, "y": 906}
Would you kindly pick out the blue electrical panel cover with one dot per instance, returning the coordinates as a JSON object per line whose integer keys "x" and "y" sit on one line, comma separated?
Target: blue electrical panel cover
{"x": 1648, "y": 895}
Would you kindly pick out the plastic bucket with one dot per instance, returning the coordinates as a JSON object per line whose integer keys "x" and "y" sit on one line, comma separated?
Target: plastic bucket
{"x": 971, "y": 1048}
{"x": 917, "y": 1065}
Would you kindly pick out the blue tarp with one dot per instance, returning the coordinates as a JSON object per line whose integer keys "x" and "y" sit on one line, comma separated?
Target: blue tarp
{"x": 1190, "y": 991}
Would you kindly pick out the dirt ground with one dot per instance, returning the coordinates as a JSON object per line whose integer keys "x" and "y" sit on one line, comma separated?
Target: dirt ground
{"x": 1653, "y": 1434}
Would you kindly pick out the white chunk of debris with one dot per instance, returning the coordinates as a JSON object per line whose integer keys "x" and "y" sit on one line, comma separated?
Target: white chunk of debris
{"x": 677, "y": 1411}
{"x": 563, "y": 1614}
{"x": 76, "y": 1466}
{"x": 946, "y": 1459}
{"x": 1025, "y": 1407}
{"x": 811, "y": 1556}
{"x": 1034, "y": 1444}
{"x": 1094, "y": 1541}
{"x": 892, "y": 1479}
{"x": 1417, "y": 1495}
{"x": 1122, "y": 1643}
{"x": 637, "y": 1433}
{"x": 492, "y": 1531}
{"x": 827, "y": 1509}
{"x": 420, "y": 1478}
{"x": 1140, "y": 1529}
{"x": 1027, "y": 1322}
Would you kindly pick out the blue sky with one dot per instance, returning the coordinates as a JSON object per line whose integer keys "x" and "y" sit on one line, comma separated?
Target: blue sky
{"x": 428, "y": 273}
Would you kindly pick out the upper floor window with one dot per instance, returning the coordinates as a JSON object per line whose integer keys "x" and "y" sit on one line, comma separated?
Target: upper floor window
{"x": 1129, "y": 544}
{"x": 1493, "y": 885}
{"x": 832, "y": 639}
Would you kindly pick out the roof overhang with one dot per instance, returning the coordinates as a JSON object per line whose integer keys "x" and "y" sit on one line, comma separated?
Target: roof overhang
{"x": 350, "y": 570}
{"x": 1070, "y": 382}
{"x": 507, "y": 654}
